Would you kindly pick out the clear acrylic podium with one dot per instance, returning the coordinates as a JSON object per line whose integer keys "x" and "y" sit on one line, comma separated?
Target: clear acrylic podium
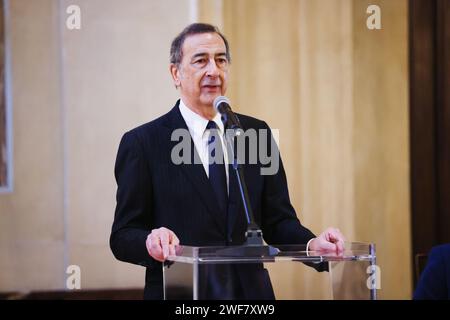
{"x": 351, "y": 275}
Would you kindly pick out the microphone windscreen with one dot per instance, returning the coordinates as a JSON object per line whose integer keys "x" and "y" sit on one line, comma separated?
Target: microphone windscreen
{"x": 219, "y": 100}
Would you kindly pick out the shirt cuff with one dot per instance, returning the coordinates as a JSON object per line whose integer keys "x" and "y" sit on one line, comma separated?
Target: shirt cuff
{"x": 307, "y": 247}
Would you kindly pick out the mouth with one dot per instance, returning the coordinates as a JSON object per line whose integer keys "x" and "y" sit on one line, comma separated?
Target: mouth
{"x": 211, "y": 87}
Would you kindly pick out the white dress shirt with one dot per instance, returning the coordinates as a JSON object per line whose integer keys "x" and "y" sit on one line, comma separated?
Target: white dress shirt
{"x": 197, "y": 128}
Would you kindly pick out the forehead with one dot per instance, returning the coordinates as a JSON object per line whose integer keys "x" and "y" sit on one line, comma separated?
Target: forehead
{"x": 203, "y": 42}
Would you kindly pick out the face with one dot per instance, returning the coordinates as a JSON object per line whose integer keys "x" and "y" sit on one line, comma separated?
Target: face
{"x": 203, "y": 72}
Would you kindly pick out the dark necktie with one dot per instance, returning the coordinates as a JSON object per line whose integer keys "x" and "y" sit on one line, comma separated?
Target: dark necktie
{"x": 217, "y": 175}
{"x": 219, "y": 280}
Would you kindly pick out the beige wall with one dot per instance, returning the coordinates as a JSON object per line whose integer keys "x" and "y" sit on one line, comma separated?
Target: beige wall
{"x": 32, "y": 226}
{"x": 74, "y": 94}
{"x": 336, "y": 91}
{"x": 381, "y": 143}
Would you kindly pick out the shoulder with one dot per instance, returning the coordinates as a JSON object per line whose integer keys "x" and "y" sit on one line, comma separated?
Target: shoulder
{"x": 151, "y": 127}
{"x": 434, "y": 282}
{"x": 150, "y": 131}
{"x": 249, "y": 122}
{"x": 441, "y": 252}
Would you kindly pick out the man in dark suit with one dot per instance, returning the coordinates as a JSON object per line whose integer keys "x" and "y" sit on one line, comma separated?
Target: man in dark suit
{"x": 162, "y": 203}
{"x": 434, "y": 282}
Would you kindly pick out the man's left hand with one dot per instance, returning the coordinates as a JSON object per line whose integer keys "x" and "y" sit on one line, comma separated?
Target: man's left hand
{"x": 331, "y": 240}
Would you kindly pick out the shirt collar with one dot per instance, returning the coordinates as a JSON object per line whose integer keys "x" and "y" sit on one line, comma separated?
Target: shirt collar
{"x": 196, "y": 123}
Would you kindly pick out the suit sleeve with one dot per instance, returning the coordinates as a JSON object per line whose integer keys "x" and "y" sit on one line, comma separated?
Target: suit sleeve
{"x": 279, "y": 221}
{"x": 132, "y": 219}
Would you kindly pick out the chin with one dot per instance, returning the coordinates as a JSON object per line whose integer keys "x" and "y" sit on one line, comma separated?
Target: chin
{"x": 209, "y": 100}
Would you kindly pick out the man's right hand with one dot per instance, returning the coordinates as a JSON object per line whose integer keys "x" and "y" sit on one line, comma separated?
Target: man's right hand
{"x": 161, "y": 243}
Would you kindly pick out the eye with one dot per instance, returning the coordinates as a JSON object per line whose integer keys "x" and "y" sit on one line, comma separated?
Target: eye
{"x": 222, "y": 61}
{"x": 200, "y": 62}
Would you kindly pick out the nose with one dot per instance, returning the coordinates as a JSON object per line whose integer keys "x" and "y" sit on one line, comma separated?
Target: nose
{"x": 212, "y": 69}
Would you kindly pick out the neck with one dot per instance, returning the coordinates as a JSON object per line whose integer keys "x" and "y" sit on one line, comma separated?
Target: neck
{"x": 206, "y": 111}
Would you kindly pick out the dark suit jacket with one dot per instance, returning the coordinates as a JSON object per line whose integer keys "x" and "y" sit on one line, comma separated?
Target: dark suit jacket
{"x": 434, "y": 282}
{"x": 153, "y": 192}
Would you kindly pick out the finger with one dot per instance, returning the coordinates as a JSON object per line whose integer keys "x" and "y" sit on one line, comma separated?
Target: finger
{"x": 154, "y": 247}
{"x": 164, "y": 236}
{"x": 174, "y": 239}
{"x": 171, "y": 242}
{"x": 148, "y": 243}
{"x": 339, "y": 240}
{"x": 335, "y": 235}
{"x": 340, "y": 246}
{"x": 330, "y": 234}
{"x": 326, "y": 246}
{"x": 172, "y": 249}
{"x": 155, "y": 241}
{"x": 163, "y": 230}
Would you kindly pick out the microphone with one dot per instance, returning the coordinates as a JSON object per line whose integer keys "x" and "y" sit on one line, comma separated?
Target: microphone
{"x": 229, "y": 119}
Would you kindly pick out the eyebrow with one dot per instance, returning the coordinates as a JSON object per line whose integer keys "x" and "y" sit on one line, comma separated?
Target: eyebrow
{"x": 202, "y": 54}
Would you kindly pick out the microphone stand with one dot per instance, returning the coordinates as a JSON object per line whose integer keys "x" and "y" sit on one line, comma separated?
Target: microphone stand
{"x": 253, "y": 245}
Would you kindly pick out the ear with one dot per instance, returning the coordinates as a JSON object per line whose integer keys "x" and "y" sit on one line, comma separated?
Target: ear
{"x": 175, "y": 74}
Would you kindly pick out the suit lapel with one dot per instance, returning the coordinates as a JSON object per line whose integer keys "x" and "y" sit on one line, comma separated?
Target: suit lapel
{"x": 196, "y": 172}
